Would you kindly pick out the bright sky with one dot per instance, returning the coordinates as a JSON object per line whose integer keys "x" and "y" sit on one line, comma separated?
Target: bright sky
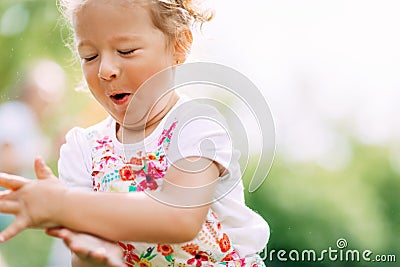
{"x": 325, "y": 68}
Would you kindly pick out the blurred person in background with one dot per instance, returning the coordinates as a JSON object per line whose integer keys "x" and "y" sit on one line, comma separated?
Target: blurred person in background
{"x": 24, "y": 116}
{"x": 22, "y": 136}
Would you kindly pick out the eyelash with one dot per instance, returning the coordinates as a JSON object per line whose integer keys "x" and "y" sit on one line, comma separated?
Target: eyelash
{"x": 125, "y": 53}
{"x": 87, "y": 59}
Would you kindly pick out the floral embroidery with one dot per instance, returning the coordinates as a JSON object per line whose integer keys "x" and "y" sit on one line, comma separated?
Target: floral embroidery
{"x": 129, "y": 255}
{"x": 231, "y": 257}
{"x": 190, "y": 248}
{"x": 144, "y": 263}
{"x": 145, "y": 171}
{"x": 127, "y": 173}
{"x": 138, "y": 162}
{"x": 148, "y": 183}
{"x": 167, "y": 134}
{"x": 224, "y": 243}
{"x": 146, "y": 258}
{"x": 105, "y": 143}
{"x": 165, "y": 249}
{"x": 199, "y": 258}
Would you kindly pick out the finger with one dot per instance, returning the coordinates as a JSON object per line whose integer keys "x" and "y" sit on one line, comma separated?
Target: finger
{"x": 101, "y": 256}
{"x": 80, "y": 250}
{"x": 85, "y": 250}
{"x": 9, "y": 206}
{"x": 12, "y": 230}
{"x": 115, "y": 260}
{"x": 111, "y": 257}
{"x": 98, "y": 254}
{"x": 12, "y": 182}
{"x": 58, "y": 232}
{"x": 4, "y": 193}
{"x": 66, "y": 235}
{"x": 42, "y": 170}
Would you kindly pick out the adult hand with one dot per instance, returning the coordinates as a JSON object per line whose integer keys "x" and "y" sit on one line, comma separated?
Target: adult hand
{"x": 34, "y": 203}
{"x": 89, "y": 250}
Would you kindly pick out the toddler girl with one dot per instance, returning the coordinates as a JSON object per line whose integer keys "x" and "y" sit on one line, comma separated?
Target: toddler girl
{"x": 180, "y": 200}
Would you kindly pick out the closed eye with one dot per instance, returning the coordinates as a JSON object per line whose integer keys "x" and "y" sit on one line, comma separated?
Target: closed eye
{"x": 128, "y": 52}
{"x": 87, "y": 59}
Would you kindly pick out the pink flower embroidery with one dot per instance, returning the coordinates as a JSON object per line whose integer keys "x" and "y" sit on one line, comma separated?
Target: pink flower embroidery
{"x": 167, "y": 134}
{"x": 148, "y": 183}
{"x": 200, "y": 257}
{"x": 104, "y": 143}
{"x": 154, "y": 171}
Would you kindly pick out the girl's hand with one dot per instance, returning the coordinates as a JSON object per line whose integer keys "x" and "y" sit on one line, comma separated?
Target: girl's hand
{"x": 34, "y": 203}
{"x": 88, "y": 250}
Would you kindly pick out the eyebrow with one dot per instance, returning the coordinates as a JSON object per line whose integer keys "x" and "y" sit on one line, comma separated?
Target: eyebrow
{"x": 118, "y": 38}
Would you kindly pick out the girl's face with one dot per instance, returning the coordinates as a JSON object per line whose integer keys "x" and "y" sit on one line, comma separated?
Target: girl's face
{"x": 120, "y": 48}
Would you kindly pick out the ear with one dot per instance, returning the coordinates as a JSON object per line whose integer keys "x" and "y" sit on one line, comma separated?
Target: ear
{"x": 183, "y": 44}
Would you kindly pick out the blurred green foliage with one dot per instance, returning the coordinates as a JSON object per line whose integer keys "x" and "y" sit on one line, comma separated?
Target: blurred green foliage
{"x": 307, "y": 207}
{"x": 39, "y": 36}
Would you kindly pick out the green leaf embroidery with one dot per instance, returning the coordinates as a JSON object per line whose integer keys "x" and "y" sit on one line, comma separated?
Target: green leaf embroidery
{"x": 151, "y": 257}
{"x": 170, "y": 258}
{"x": 132, "y": 188}
{"x": 149, "y": 251}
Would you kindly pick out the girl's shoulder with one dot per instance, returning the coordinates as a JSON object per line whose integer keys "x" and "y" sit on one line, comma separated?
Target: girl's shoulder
{"x": 189, "y": 111}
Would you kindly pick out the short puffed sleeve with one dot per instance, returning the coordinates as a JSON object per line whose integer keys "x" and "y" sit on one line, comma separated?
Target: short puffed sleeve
{"x": 74, "y": 165}
{"x": 201, "y": 131}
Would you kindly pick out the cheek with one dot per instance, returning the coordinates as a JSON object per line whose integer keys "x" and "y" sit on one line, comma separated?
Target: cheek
{"x": 90, "y": 74}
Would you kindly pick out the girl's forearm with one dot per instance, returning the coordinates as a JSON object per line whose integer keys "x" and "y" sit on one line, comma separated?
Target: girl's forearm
{"x": 145, "y": 216}
{"x": 129, "y": 217}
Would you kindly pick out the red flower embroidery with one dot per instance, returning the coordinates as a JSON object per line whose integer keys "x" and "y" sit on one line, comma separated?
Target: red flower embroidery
{"x": 151, "y": 156}
{"x": 165, "y": 249}
{"x": 228, "y": 257}
{"x": 127, "y": 174}
{"x": 129, "y": 255}
{"x": 224, "y": 243}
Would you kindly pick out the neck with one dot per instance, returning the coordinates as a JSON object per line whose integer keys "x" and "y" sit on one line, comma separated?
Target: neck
{"x": 126, "y": 135}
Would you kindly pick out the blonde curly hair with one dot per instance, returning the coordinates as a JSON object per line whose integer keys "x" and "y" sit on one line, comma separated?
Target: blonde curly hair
{"x": 175, "y": 18}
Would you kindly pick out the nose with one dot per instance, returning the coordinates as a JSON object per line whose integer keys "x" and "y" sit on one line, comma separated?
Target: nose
{"x": 108, "y": 69}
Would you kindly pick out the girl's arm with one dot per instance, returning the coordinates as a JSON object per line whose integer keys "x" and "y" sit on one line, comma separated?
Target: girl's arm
{"x": 174, "y": 214}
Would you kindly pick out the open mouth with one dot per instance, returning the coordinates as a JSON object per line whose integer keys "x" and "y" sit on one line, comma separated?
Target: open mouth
{"x": 120, "y": 98}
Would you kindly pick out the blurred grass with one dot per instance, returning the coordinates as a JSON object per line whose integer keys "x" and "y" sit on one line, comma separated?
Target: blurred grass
{"x": 29, "y": 249}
